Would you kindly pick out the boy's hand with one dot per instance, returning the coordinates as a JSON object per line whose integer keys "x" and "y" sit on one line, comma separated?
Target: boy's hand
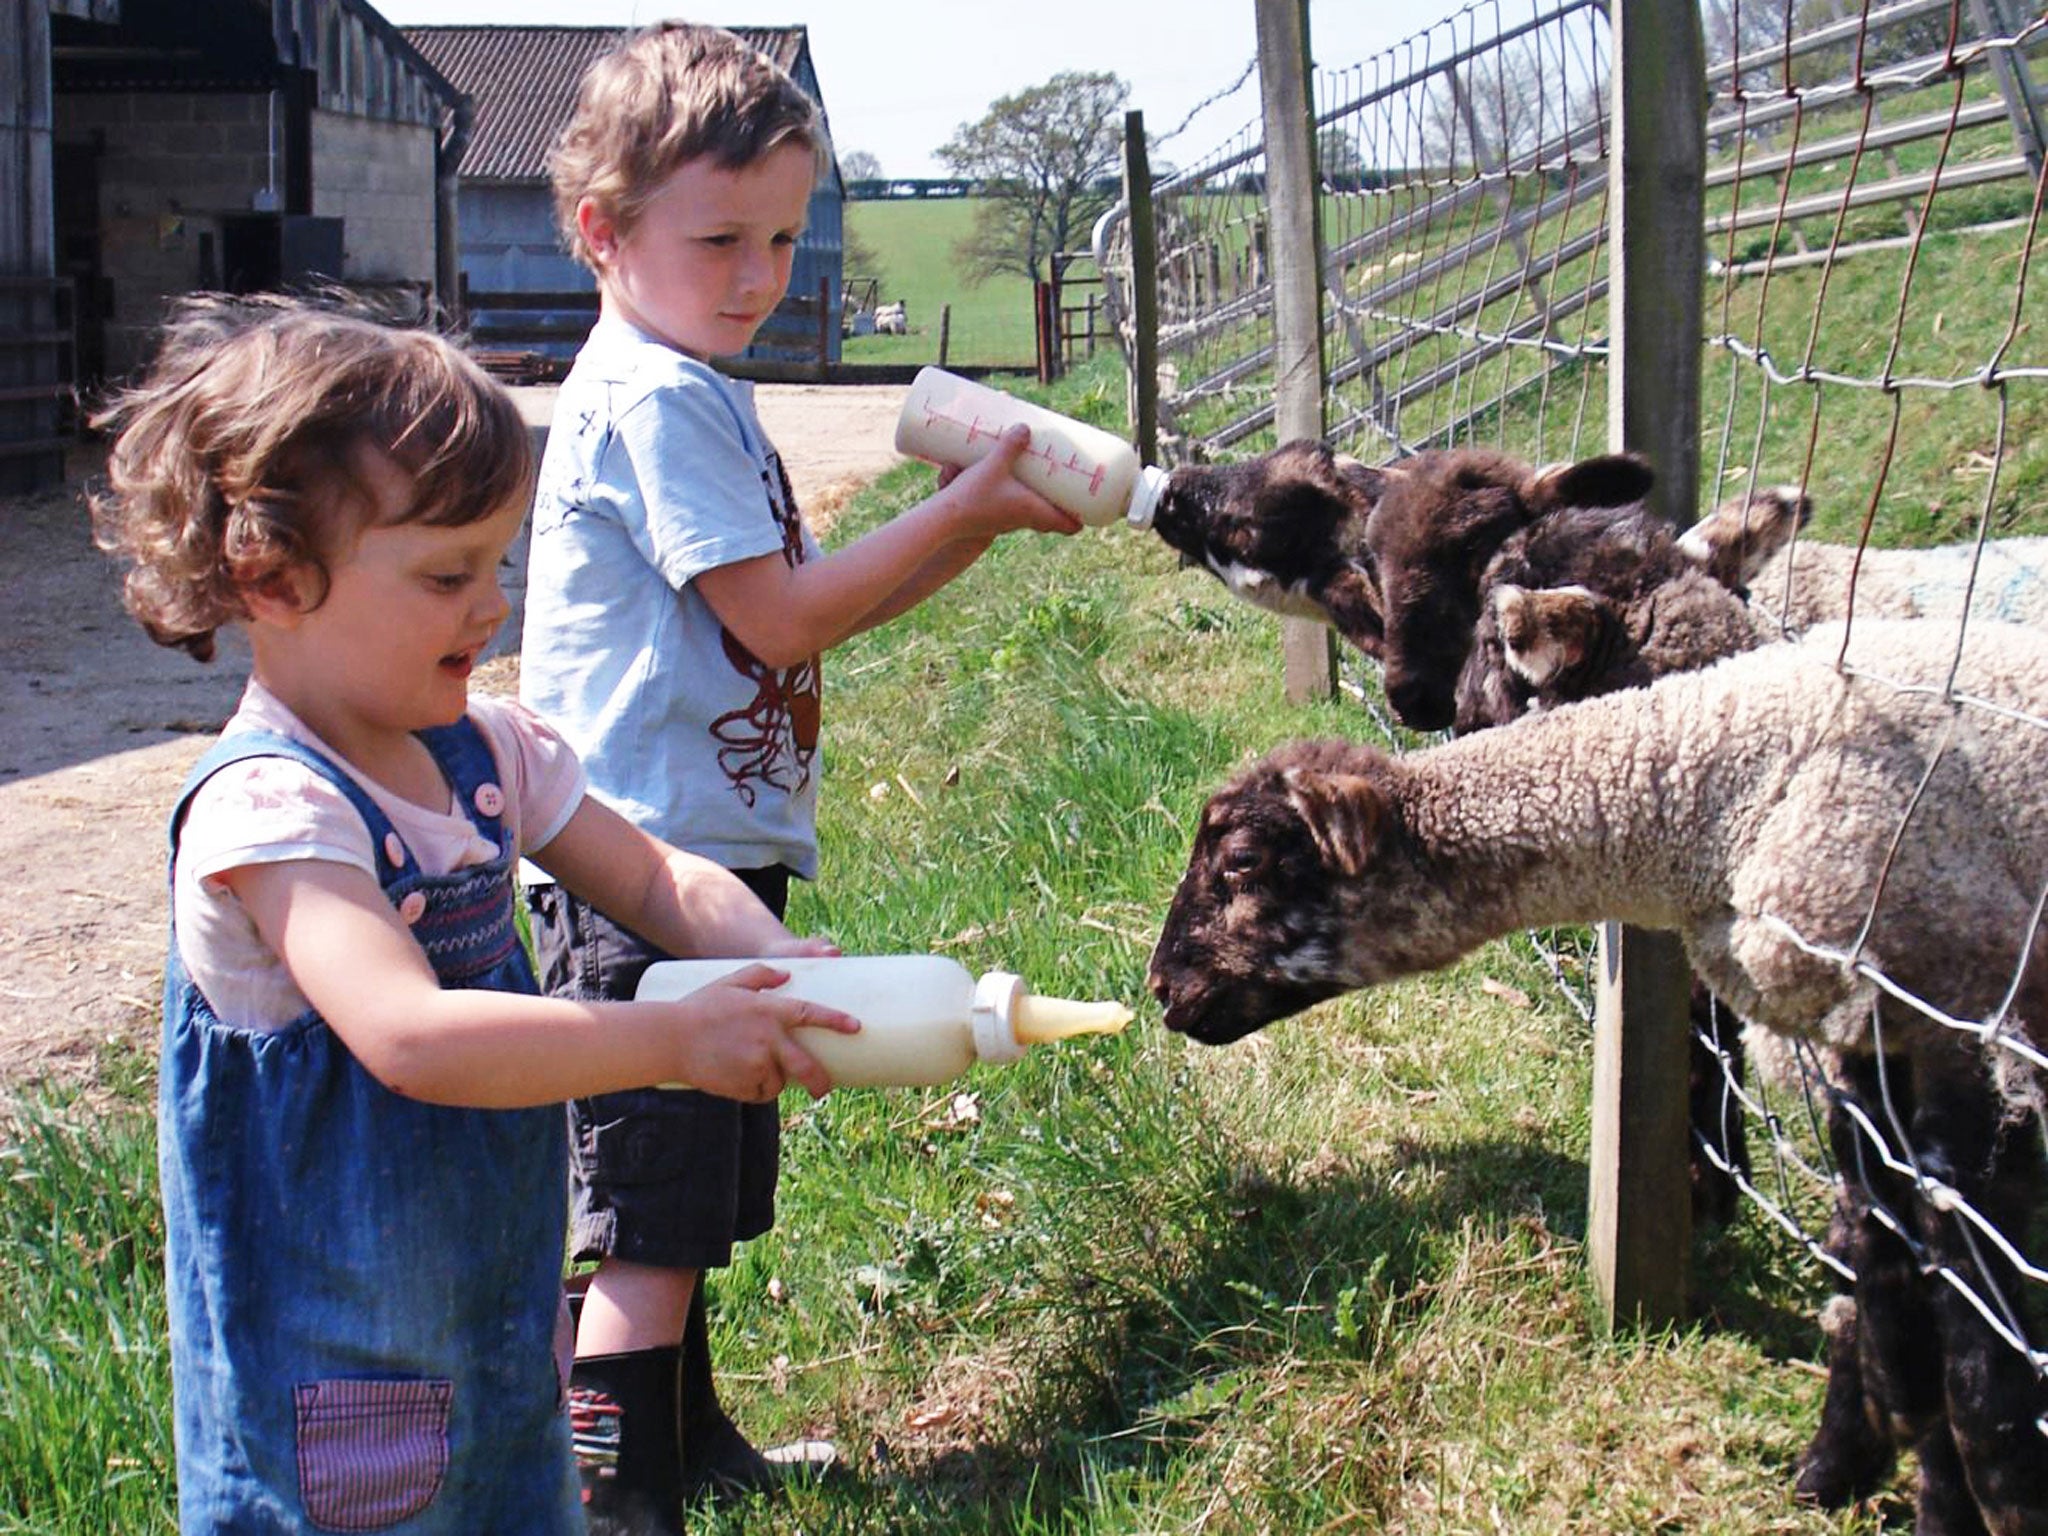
{"x": 794, "y": 948}
{"x": 734, "y": 1037}
{"x": 990, "y": 499}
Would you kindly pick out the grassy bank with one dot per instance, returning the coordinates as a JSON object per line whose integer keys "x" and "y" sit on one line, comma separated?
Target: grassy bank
{"x": 1329, "y": 1278}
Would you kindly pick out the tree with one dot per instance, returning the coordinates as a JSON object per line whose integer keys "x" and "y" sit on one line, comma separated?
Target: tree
{"x": 859, "y": 165}
{"x": 1040, "y": 155}
{"x": 1338, "y": 161}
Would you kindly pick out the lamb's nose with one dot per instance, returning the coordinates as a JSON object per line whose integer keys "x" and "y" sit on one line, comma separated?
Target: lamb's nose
{"x": 1418, "y": 708}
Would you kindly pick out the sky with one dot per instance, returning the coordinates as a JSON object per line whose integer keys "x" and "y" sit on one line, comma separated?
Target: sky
{"x": 899, "y": 78}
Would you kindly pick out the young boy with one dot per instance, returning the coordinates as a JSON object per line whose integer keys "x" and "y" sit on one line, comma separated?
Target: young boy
{"x": 676, "y": 607}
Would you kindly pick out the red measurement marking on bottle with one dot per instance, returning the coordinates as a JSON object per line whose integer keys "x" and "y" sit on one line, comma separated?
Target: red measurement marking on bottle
{"x": 973, "y": 430}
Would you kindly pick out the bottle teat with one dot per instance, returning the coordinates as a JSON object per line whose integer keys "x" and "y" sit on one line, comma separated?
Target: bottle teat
{"x": 1008, "y": 1020}
{"x": 1037, "y": 1020}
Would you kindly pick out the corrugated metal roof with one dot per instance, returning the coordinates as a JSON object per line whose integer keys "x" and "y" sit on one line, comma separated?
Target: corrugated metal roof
{"x": 522, "y": 82}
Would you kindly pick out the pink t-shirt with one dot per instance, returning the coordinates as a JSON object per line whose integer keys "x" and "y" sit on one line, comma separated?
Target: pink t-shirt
{"x": 266, "y": 810}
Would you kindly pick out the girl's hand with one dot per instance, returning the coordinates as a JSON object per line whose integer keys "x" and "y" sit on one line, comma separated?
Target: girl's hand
{"x": 989, "y": 498}
{"x": 733, "y": 1037}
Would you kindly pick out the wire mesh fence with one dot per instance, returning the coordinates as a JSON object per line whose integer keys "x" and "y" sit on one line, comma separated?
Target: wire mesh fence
{"x": 1873, "y": 337}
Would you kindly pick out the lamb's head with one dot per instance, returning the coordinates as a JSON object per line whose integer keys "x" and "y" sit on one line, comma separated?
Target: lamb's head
{"x": 1440, "y": 520}
{"x": 1284, "y": 531}
{"x": 1302, "y": 884}
{"x": 1534, "y": 647}
{"x": 1733, "y": 541}
{"x": 1588, "y": 602}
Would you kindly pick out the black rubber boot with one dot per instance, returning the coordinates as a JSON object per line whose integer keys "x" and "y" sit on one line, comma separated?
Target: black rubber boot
{"x": 718, "y": 1463}
{"x": 622, "y": 1417}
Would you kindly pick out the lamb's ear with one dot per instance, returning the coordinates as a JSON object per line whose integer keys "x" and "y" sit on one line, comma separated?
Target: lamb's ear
{"x": 1609, "y": 480}
{"x": 1352, "y": 600}
{"x": 1366, "y": 483}
{"x": 1343, "y": 812}
{"x": 1734, "y": 540}
{"x": 1548, "y": 632}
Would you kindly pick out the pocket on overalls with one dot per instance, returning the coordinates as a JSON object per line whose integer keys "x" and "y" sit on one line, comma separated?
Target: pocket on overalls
{"x": 371, "y": 1453}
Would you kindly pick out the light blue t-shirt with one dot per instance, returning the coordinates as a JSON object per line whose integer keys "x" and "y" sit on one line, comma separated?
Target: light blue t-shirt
{"x": 657, "y": 470}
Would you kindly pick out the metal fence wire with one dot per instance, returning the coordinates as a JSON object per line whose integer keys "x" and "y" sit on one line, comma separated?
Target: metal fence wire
{"x": 1875, "y": 334}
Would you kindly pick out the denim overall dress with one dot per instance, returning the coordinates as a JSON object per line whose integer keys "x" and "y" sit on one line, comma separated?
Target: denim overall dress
{"x": 363, "y": 1289}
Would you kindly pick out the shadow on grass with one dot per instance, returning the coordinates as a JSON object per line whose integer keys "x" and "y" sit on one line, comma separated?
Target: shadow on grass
{"x": 1188, "y": 1292}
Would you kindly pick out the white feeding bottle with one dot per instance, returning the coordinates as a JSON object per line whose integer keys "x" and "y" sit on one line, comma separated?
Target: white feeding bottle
{"x": 1084, "y": 470}
{"x": 924, "y": 1018}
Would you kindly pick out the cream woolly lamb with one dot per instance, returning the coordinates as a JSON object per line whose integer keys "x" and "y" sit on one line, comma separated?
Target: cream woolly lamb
{"x": 1748, "y": 543}
{"x": 1752, "y": 807}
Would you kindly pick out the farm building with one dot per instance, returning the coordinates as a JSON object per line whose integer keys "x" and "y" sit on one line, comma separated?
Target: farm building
{"x": 525, "y": 290}
{"x": 153, "y": 147}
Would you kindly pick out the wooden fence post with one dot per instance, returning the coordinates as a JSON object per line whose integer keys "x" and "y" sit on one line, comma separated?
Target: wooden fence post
{"x": 1310, "y": 666}
{"x": 1045, "y": 330}
{"x": 1640, "y": 1214}
{"x": 1144, "y": 290}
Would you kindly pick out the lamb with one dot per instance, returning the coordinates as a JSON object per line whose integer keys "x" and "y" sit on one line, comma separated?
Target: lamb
{"x": 892, "y": 319}
{"x": 1310, "y": 533}
{"x": 1802, "y": 583}
{"x": 1748, "y": 545}
{"x": 1752, "y": 807}
{"x": 1284, "y": 532}
{"x": 1591, "y": 601}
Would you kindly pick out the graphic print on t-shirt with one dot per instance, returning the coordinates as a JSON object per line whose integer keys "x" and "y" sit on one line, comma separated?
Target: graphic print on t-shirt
{"x": 773, "y": 739}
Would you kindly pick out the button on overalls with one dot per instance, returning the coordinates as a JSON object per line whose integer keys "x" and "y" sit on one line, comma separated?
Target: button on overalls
{"x": 363, "y": 1288}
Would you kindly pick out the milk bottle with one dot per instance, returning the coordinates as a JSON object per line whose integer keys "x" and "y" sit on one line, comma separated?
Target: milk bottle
{"x": 924, "y": 1018}
{"x": 950, "y": 420}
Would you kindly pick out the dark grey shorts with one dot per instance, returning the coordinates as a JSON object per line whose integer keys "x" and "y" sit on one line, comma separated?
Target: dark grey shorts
{"x": 662, "y": 1176}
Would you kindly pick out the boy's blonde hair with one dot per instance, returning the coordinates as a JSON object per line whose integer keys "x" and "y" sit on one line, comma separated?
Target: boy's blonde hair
{"x": 672, "y": 93}
{"x": 239, "y": 455}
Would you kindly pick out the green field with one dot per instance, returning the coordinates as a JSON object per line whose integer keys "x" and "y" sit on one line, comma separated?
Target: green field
{"x": 913, "y": 241}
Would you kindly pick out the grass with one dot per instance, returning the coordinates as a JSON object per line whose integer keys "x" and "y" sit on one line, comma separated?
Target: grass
{"x": 1330, "y": 1278}
{"x": 914, "y": 243}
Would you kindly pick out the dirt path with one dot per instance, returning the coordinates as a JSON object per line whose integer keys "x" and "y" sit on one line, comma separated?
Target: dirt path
{"x": 102, "y": 726}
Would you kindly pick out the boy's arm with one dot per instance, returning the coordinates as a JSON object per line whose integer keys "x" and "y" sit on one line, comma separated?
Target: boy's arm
{"x": 678, "y": 901}
{"x": 785, "y": 614}
{"x": 360, "y": 967}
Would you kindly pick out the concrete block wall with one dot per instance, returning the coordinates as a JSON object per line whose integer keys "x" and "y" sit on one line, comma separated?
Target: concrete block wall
{"x": 378, "y": 177}
{"x": 170, "y": 165}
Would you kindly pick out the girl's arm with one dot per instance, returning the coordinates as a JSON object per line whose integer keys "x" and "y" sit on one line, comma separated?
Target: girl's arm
{"x": 360, "y": 966}
{"x": 785, "y": 614}
{"x": 678, "y": 901}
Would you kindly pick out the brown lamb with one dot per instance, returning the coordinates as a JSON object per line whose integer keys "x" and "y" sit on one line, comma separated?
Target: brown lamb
{"x": 1788, "y": 819}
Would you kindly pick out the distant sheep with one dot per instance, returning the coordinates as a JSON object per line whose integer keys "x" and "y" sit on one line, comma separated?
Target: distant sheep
{"x": 892, "y": 319}
{"x": 1764, "y": 798}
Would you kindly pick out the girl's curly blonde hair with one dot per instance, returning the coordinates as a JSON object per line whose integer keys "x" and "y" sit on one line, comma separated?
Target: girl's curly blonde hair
{"x": 672, "y": 93}
{"x": 239, "y": 454}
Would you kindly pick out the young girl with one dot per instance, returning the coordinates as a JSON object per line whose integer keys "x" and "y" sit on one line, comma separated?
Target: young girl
{"x": 361, "y": 1140}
